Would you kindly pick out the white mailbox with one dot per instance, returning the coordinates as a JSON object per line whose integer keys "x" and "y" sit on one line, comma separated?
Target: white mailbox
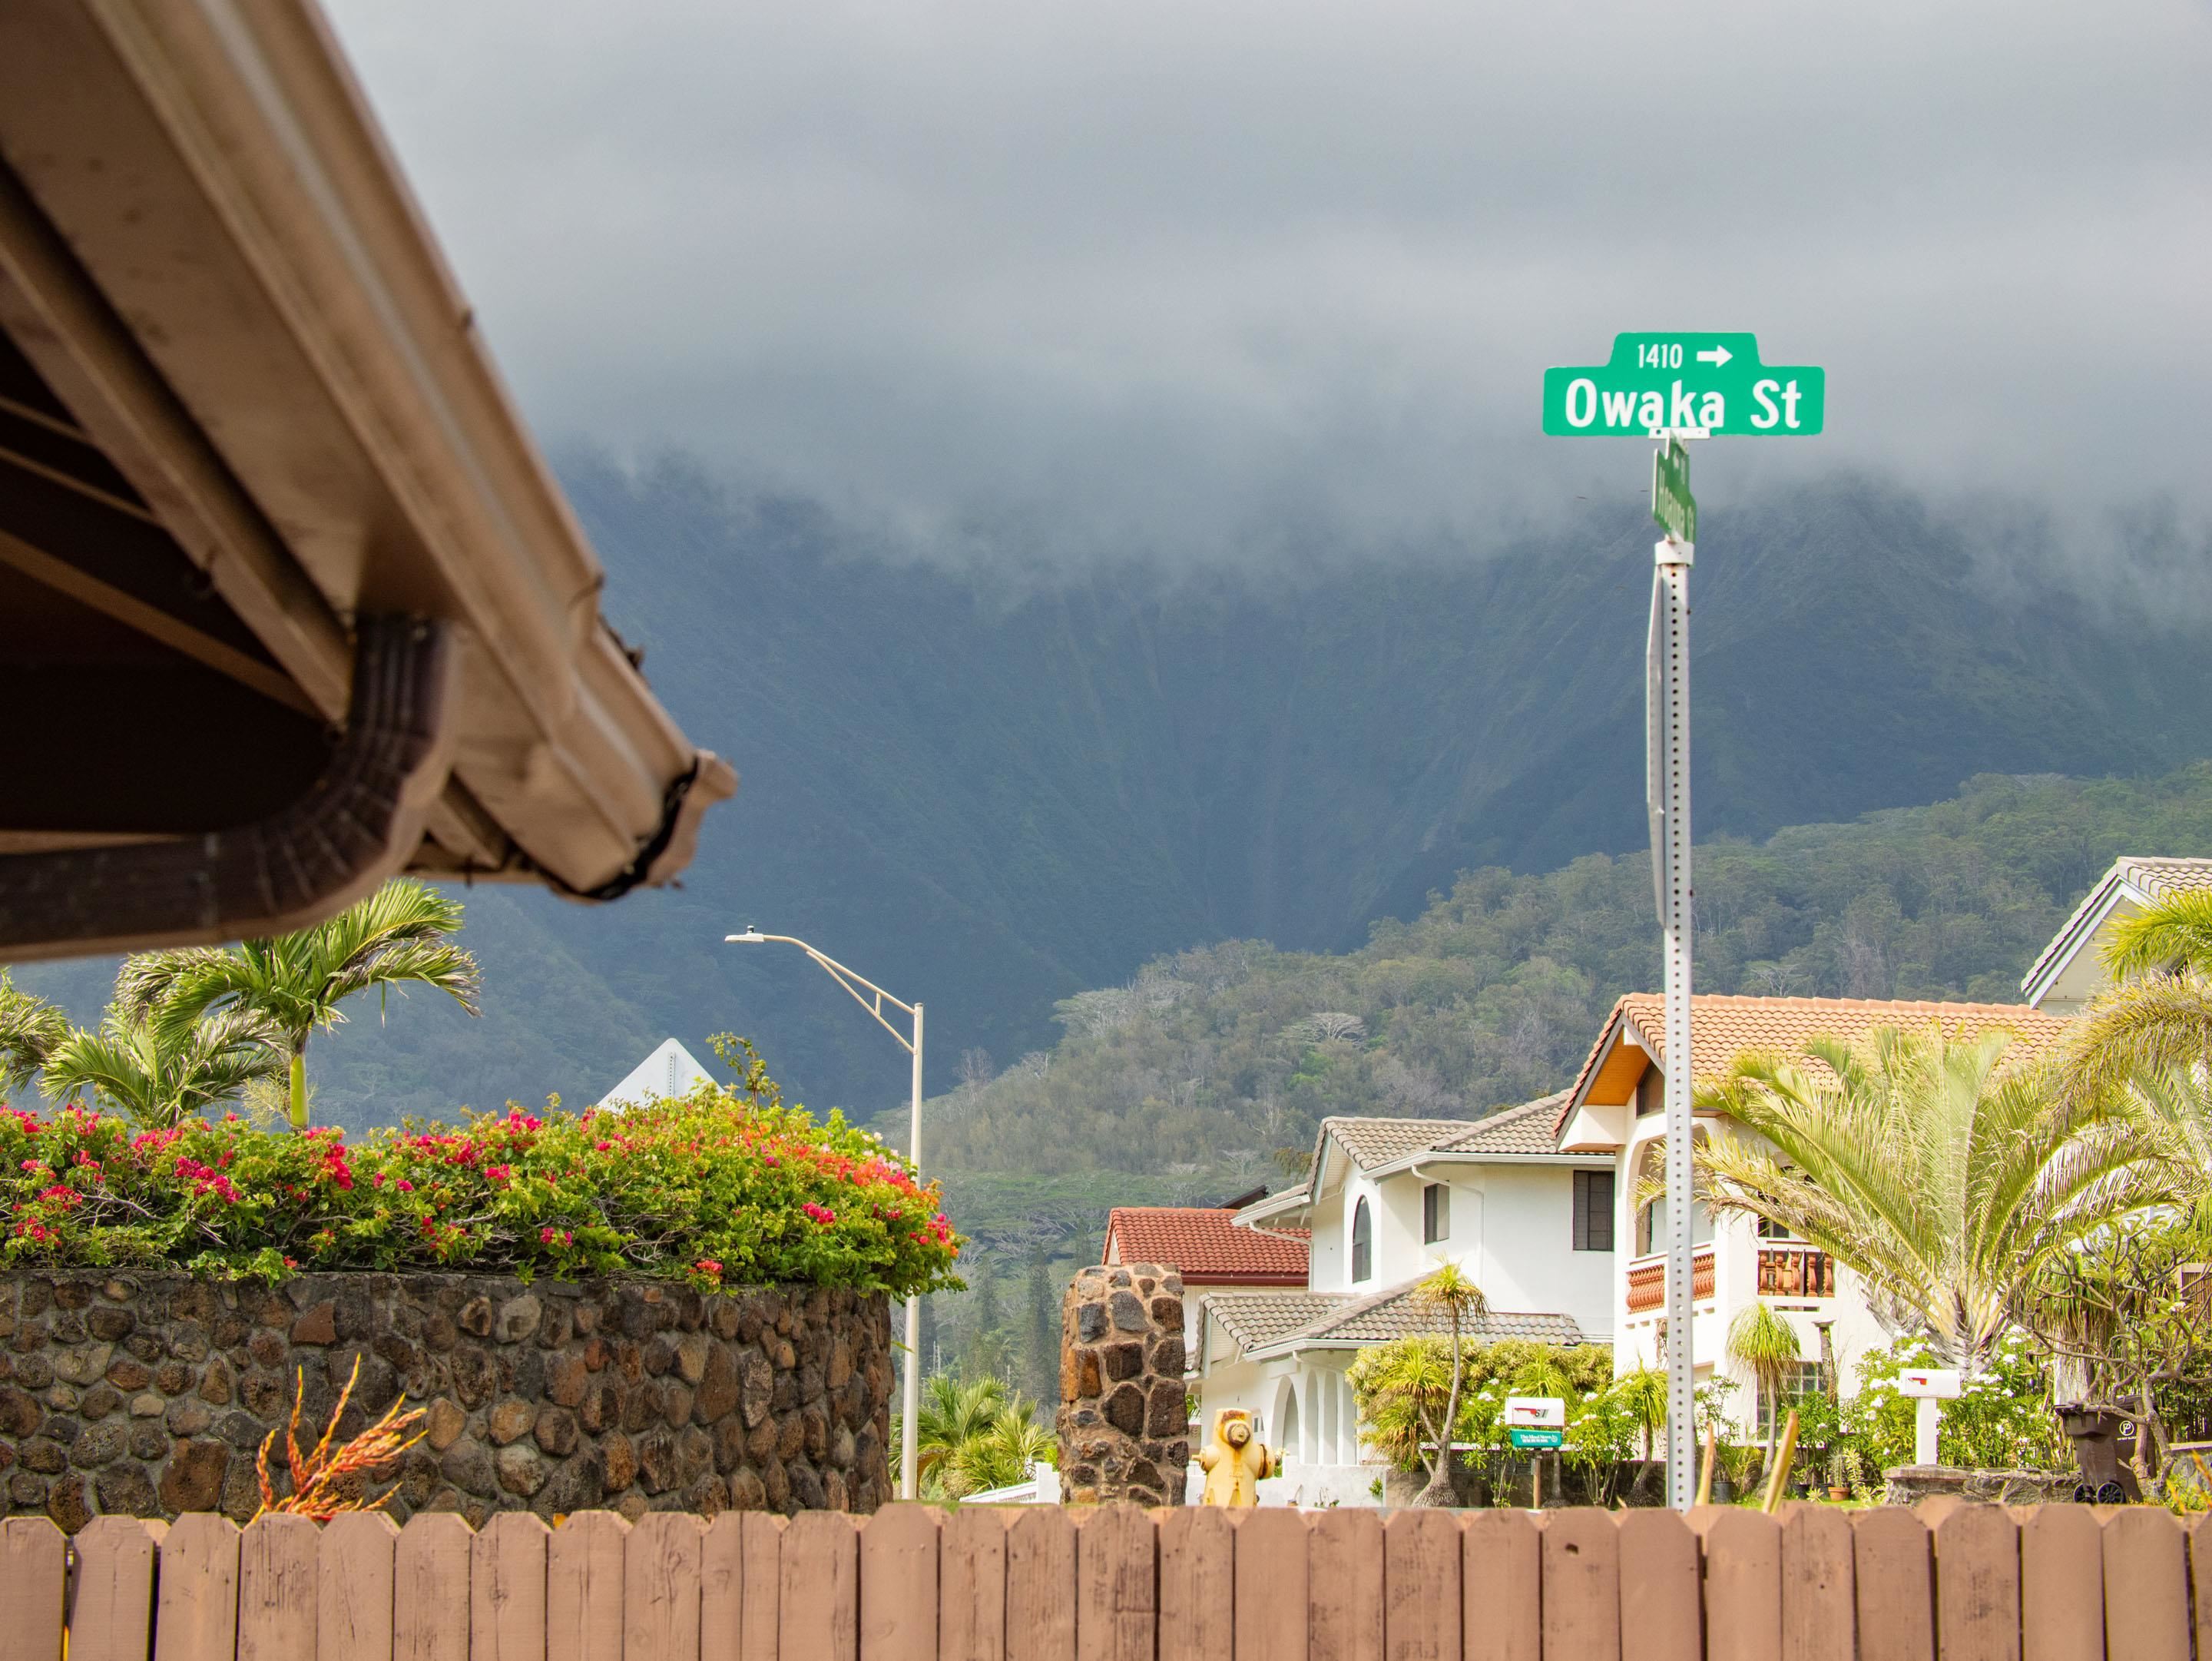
{"x": 1535, "y": 1412}
{"x": 1940, "y": 1383}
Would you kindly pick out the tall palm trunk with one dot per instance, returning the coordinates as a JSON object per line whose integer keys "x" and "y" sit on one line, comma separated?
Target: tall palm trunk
{"x": 299, "y": 1102}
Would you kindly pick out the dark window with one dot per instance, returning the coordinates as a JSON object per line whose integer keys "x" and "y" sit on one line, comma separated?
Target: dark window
{"x": 1435, "y": 1213}
{"x": 1593, "y": 1211}
{"x": 1362, "y": 1243}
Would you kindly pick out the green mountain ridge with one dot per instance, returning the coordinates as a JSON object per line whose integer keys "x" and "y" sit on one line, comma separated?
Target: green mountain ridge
{"x": 995, "y": 792}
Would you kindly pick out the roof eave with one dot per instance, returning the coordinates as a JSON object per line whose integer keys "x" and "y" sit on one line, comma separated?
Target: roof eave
{"x": 2079, "y": 929}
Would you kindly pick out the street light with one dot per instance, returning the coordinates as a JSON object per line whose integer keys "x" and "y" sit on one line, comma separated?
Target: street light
{"x": 872, "y": 998}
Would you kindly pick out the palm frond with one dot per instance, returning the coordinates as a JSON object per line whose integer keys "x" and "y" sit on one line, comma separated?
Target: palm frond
{"x": 30, "y": 1028}
{"x": 2173, "y": 932}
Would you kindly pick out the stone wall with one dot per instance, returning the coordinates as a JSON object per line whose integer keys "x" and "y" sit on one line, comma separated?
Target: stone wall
{"x": 1123, "y": 1419}
{"x": 149, "y": 1394}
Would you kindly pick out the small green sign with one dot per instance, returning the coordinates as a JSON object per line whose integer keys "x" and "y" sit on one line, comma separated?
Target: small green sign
{"x": 1710, "y": 381}
{"x": 1536, "y": 1439}
{"x": 1672, "y": 505}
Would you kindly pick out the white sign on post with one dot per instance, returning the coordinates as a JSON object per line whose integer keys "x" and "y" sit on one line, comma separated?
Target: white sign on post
{"x": 1927, "y": 1386}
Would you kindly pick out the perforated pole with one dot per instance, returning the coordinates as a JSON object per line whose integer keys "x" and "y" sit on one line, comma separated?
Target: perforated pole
{"x": 1671, "y": 605}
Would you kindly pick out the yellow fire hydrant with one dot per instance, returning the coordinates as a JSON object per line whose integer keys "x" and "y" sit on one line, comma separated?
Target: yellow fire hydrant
{"x": 1235, "y": 1463}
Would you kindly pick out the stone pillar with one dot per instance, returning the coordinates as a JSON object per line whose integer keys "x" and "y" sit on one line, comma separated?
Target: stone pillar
{"x": 1122, "y": 1424}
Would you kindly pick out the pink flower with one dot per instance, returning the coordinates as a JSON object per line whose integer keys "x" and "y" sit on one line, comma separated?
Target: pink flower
{"x": 821, "y": 1214}
{"x": 404, "y": 1186}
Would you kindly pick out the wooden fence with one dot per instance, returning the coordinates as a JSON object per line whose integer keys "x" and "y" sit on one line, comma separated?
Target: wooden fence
{"x": 1947, "y": 1582}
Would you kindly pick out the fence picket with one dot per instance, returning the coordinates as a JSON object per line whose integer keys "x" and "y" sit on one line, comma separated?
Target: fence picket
{"x": 196, "y": 1612}
{"x": 660, "y": 1587}
{"x": 354, "y": 1580}
{"x": 1660, "y": 1609}
{"x": 1892, "y": 1563}
{"x": 1819, "y": 1599}
{"x": 584, "y": 1580}
{"x": 899, "y": 1584}
{"x": 1271, "y": 1595}
{"x": 818, "y": 1614}
{"x": 721, "y": 1586}
{"x": 277, "y": 1588}
{"x": 1040, "y": 1579}
{"x": 1344, "y": 1558}
{"x": 1743, "y": 1583}
{"x": 2062, "y": 1584}
{"x": 507, "y": 1589}
{"x": 1580, "y": 1589}
{"x": 430, "y": 1588}
{"x": 1198, "y": 1583}
{"x": 33, "y": 1572}
{"x": 111, "y": 1599}
{"x": 1501, "y": 1564}
{"x": 1116, "y": 1585}
{"x": 1420, "y": 1587}
{"x": 2146, "y": 1586}
{"x": 1977, "y": 1584}
{"x": 760, "y": 1620}
{"x": 971, "y": 1583}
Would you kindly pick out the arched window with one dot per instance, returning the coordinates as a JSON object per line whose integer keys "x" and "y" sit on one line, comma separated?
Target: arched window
{"x": 1362, "y": 1243}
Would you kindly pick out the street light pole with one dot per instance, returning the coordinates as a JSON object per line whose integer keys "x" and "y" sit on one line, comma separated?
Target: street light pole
{"x": 872, "y": 998}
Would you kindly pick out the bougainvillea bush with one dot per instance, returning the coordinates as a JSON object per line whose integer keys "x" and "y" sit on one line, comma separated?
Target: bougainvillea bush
{"x": 725, "y": 1185}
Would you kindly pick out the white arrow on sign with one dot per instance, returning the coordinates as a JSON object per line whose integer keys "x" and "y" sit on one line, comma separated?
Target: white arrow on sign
{"x": 1717, "y": 357}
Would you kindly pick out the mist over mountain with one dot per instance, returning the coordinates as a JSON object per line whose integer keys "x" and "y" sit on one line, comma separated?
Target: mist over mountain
{"x": 991, "y": 792}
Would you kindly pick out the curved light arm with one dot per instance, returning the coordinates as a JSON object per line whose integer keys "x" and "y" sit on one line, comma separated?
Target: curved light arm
{"x": 866, "y": 992}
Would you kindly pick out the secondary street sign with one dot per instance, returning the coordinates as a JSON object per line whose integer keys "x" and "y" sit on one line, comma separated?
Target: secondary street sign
{"x": 1672, "y": 505}
{"x": 1711, "y": 383}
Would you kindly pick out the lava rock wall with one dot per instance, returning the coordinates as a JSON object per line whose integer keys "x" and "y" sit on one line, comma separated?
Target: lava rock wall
{"x": 149, "y": 1395}
{"x": 1124, "y": 1418}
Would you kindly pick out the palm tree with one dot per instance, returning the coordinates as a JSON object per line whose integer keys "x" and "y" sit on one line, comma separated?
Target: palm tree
{"x": 953, "y": 1415}
{"x": 159, "y": 1077}
{"x": 998, "y": 1456}
{"x": 1945, "y": 1179}
{"x": 2156, "y": 1018}
{"x": 30, "y": 1027}
{"x": 1766, "y": 1345}
{"x": 1448, "y": 1290}
{"x": 1643, "y": 1393}
{"x": 295, "y": 983}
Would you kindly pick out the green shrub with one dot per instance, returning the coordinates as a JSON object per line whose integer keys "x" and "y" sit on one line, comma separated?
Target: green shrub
{"x": 723, "y": 1185}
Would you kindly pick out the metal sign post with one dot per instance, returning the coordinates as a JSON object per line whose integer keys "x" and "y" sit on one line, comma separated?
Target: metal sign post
{"x": 1668, "y": 792}
{"x": 1678, "y": 386}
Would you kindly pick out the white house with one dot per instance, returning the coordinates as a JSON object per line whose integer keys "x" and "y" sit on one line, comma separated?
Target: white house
{"x": 2071, "y": 969}
{"x": 1616, "y": 1108}
{"x": 670, "y": 1070}
{"x": 1385, "y": 1201}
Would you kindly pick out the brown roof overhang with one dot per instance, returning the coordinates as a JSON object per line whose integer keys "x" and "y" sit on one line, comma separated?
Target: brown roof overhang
{"x": 244, "y": 415}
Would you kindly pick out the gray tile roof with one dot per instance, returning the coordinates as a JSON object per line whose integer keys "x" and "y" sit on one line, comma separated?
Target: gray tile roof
{"x": 1372, "y": 1142}
{"x": 1528, "y": 1128}
{"x": 2165, "y": 877}
{"x": 1395, "y": 1312}
{"x": 1279, "y": 1321}
{"x": 1254, "y": 1318}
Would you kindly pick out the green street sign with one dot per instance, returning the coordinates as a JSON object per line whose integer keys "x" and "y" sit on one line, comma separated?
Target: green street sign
{"x": 1714, "y": 382}
{"x": 1672, "y": 505}
{"x": 1537, "y": 1438}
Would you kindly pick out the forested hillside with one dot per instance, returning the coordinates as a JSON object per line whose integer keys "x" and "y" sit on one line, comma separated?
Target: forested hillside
{"x": 1208, "y": 1061}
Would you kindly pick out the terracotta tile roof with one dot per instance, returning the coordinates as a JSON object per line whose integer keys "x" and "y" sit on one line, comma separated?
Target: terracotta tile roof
{"x": 1255, "y": 1319}
{"x": 1200, "y": 1242}
{"x": 1377, "y": 1318}
{"x": 1722, "y": 1027}
{"x": 1530, "y": 1129}
{"x": 1372, "y": 1142}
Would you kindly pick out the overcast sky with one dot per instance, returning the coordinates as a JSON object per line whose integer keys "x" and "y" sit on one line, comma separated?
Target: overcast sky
{"x": 1206, "y": 275}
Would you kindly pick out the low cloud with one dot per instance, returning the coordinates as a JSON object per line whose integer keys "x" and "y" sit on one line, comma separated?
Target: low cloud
{"x": 1243, "y": 279}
